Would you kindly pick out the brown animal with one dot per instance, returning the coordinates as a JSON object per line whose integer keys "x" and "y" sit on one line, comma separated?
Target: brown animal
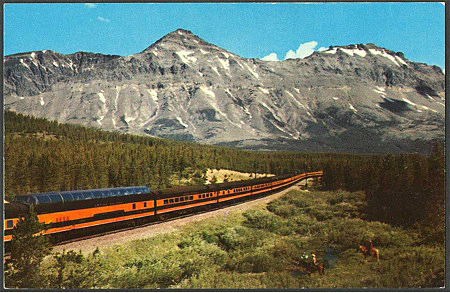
{"x": 364, "y": 250}
{"x": 319, "y": 267}
{"x": 371, "y": 251}
{"x": 308, "y": 266}
{"x": 375, "y": 252}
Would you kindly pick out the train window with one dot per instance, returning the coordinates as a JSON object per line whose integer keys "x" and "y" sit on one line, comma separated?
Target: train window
{"x": 134, "y": 206}
{"x": 176, "y": 199}
{"x": 55, "y": 197}
{"x": 77, "y": 195}
{"x": 171, "y": 200}
{"x": 166, "y": 201}
{"x": 97, "y": 194}
{"x": 9, "y": 224}
{"x": 186, "y": 198}
{"x": 211, "y": 194}
{"x": 191, "y": 197}
{"x": 181, "y": 198}
{"x": 115, "y": 192}
{"x": 43, "y": 199}
{"x": 145, "y": 204}
{"x": 88, "y": 195}
{"x": 67, "y": 196}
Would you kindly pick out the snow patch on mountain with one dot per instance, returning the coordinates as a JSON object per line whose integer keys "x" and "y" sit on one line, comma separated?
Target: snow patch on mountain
{"x": 255, "y": 74}
{"x": 184, "y": 55}
{"x": 181, "y": 122}
{"x": 331, "y": 51}
{"x": 153, "y": 94}
{"x": 353, "y": 52}
{"x": 384, "y": 54}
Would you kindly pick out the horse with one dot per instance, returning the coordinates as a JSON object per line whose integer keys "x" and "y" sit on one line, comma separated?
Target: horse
{"x": 364, "y": 250}
{"x": 371, "y": 251}
{"x": 375, "y": 252}
{"x": 319, "y": 267}
{"x": 310, "y": 266}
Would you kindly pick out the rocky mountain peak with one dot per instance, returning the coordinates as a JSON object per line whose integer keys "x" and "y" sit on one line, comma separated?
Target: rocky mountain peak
{"x": 179, "y": 39}
{"x": 345, "y": 98}
{"x": 368, "y": 50}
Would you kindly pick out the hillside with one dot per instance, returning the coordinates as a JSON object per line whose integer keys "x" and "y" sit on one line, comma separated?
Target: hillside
{"x": 42, "y": 155}
{"x": 353, "y": 98}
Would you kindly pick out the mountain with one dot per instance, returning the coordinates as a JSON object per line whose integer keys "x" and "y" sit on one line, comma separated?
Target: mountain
{"x": 355, "y": 98}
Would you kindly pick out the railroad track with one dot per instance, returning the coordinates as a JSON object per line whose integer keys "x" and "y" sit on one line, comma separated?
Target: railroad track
{"x": 105, "y": 241}
{"x": 109, "y": 238}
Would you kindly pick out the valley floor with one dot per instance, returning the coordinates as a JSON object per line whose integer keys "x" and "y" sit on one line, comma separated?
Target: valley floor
{"x": 269, "y": 245}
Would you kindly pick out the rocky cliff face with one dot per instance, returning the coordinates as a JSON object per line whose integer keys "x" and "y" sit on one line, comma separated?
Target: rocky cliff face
{"x": 349, "y": 98}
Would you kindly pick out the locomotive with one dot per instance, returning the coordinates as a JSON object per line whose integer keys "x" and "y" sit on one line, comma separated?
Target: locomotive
{"x": 72, "y": 214}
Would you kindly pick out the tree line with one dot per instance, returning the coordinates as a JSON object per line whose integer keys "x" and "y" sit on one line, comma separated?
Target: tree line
{"x": 42, "y": 155}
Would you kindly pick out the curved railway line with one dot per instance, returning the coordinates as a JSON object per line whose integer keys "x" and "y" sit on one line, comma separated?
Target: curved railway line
{"x": 110, "y": 239}
{"x": 86, "y": 216}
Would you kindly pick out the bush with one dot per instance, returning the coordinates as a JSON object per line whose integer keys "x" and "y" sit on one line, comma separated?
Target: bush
{"x": 258, "y": 260}
{"x": 240, "y": 238}
{"x": 264, "y": 220}
{"x": 412, "y": 267}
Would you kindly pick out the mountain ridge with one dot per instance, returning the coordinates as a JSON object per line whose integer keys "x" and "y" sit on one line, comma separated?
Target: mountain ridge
{"x": 183, "y": 87}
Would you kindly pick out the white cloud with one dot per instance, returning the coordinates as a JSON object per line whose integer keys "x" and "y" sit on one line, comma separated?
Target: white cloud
{"x": 103, "y": 19}
{"x": 270, "y": 57}
{"x": 290, "y": 55}
{"x": 90, "y": 5}
{"x": 304, "y": 50}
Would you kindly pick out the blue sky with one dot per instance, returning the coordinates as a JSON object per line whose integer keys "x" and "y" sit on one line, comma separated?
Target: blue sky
{"x": 251, "y": 30}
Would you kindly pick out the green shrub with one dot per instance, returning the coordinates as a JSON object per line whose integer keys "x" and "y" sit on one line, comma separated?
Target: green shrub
{"x": 280, "y": 208}
{"x": 241, "y": 238}
{"x": 263, "y": 220}
{"x": 412, "y": 267}
{"x": 255, "y": 261}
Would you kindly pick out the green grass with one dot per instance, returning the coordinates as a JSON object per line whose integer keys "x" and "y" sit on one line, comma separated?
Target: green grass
{"x": 263, "y": 248}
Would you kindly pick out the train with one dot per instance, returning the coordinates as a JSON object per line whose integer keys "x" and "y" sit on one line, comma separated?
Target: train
{"x": 72, "y": 214}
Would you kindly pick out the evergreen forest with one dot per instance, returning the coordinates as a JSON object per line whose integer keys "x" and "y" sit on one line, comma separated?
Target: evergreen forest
{"x": 400, "y": 189}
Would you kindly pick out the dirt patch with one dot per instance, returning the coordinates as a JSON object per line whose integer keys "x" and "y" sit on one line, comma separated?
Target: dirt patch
{"x": 230, "y": 175}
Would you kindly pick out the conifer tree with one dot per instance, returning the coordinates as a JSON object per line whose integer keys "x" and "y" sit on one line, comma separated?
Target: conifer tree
{"x": 28, "y": 249}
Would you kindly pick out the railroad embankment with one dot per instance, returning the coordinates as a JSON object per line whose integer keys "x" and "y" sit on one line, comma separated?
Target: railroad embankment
{"x": 270, "y": 245}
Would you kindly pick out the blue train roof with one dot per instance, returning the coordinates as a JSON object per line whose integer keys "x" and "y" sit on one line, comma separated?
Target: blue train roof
{"x": 66, "y": 196}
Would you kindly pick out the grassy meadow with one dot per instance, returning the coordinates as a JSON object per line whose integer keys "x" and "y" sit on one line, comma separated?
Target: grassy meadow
{"x": 264, "y": 247}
